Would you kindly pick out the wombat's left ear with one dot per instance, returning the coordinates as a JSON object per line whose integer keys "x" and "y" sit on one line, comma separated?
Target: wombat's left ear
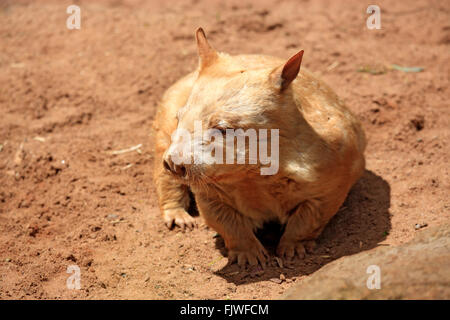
{"x": 207, "y": 55}
{"x": 285, "y": 74}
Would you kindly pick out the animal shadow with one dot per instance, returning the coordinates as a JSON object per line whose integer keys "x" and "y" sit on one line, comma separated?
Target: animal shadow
{"x": 362, "y": 222}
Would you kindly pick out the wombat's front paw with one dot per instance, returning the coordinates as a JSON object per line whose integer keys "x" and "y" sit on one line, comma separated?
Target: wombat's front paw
{"x": 251, "y": 256}
{"x": 288, "y": 249}
{"x": 179, "y": 217}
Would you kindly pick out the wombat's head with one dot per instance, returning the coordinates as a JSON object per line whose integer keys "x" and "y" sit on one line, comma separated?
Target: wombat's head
{"x": 228, "y": 128}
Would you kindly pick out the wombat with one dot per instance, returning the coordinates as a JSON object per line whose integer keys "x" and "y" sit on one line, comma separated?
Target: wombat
{"x": 319, "y": 152}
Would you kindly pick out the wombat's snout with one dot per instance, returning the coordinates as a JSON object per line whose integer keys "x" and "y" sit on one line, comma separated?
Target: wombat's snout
{"x": 178, "y": 169}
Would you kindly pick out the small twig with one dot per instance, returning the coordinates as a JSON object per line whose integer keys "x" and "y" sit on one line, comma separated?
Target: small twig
{"x": 40, "y": 139}
{"x": 127, "y": 166}
{"x": 215, "y": 261}
{"x": 117, "y": 221}
{"x": 333, "y": 65}
{"x": 133, "y": 148}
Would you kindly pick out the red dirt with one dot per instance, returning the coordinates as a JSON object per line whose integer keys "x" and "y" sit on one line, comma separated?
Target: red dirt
{"x": 68, "y": 97}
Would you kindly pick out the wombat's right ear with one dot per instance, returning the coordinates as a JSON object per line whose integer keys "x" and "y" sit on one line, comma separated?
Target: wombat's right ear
{"x": 207, "y": 55}
{"x": 283, "y": 76}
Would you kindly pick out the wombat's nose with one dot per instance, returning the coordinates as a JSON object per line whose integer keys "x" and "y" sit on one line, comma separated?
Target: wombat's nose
{"x": 177, "y": 169}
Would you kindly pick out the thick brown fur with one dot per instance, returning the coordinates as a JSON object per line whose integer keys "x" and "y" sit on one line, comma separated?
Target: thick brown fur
{"x": 321, "y": 146}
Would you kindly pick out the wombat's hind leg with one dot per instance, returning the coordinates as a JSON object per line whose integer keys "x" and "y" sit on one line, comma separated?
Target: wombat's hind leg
{"x": 303, "y": 226}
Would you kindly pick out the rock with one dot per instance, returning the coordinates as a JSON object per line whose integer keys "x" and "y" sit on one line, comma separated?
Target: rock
{"x": 420, "y": 225}
{"x": 418, "y": 269}
{"x": 276, "y": 280}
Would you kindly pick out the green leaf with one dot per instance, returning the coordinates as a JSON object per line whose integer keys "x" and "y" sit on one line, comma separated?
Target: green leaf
{"x": 407, "y": 69}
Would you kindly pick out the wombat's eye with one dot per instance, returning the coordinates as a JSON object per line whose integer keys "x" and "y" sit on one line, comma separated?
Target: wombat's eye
{"x": 223, "y": 130}
{"x": 220, "y": 124}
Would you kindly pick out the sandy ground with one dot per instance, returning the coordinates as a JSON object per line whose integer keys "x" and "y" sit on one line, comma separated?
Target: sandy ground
{"x": 70, "y": 97}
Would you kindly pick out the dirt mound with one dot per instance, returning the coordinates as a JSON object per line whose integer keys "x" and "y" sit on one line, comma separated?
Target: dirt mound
{"x": 70, "y": 98}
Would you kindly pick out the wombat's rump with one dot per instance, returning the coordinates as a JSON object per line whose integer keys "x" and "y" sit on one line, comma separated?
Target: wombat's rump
{"x": 321, "y": 147}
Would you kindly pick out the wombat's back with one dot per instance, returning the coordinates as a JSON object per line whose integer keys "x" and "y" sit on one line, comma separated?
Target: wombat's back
{"x": 325, "y": 111}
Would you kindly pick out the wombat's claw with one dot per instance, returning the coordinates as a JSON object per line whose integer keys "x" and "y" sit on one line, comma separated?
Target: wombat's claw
{"x": 180, "y": 218}
{"x": 252, "y": 258}
{"x": 287, "y": 250}
{"x": 309, "y": 245}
